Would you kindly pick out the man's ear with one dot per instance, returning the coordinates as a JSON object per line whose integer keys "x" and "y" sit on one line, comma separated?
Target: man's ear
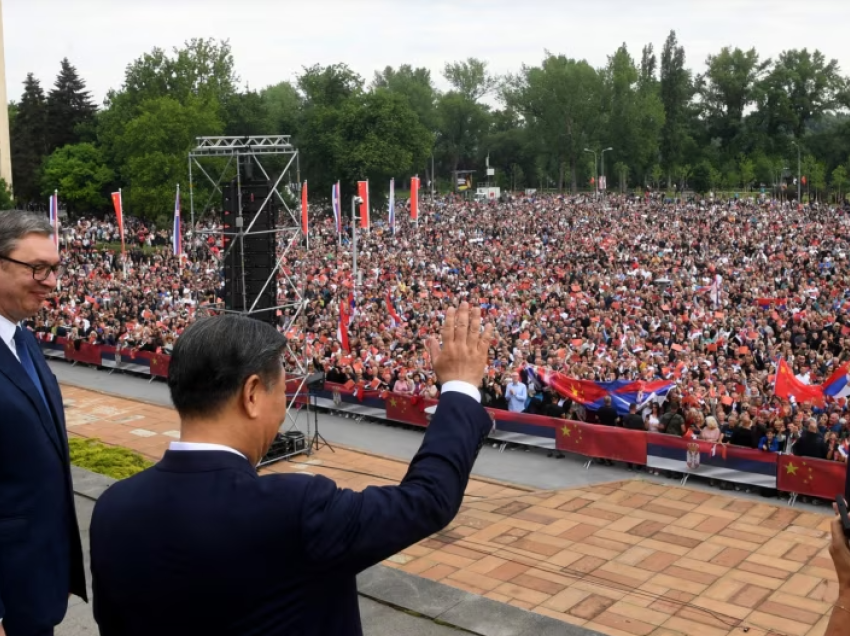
{"x": 250, "y": 396}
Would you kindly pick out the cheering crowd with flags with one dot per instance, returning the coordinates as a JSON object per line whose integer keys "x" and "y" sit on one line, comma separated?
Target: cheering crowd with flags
{"x": 730, "y": 309}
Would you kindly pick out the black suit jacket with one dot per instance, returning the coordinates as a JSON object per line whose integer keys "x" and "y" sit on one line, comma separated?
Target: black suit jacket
{"x": 199, "y": 544}
{"x": 41, "y": 558}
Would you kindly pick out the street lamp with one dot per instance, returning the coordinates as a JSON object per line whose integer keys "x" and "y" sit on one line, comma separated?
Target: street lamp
{"x": 799, "y": 175}
{"x": 595, "y": 168}
{"x": 603, "y": 167}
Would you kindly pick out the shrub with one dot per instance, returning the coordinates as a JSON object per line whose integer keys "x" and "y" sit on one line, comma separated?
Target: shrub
{"x": 112, "y": 461}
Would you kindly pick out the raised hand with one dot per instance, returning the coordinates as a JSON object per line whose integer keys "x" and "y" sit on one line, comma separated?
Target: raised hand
{"x": 463, "y": 355}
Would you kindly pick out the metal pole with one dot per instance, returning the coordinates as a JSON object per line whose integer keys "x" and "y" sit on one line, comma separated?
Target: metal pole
{"x": 354, "y": 242}
{"x": 603, "y": 169}
{"x": 191, "y": 196}
{"x": 799, "y": 177}
{"x": 240, "y": 224}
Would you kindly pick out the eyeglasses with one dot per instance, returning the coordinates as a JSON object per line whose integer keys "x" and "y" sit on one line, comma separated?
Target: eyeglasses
{"x": 39, "y": 272}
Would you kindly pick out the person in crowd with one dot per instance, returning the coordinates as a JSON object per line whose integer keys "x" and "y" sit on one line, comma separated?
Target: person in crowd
{"x": 743, "y": 435}
{"x": 769, "y": 443}
{"x": 653, "y": 421}
{"x": 811, "y": 443}
{"x": 275, "y": 554}
{"x": 41, "y": 558}
{"x": 516, "y": 393}
{"x": 711, "y": 432}
{"x": 607, "y": 414}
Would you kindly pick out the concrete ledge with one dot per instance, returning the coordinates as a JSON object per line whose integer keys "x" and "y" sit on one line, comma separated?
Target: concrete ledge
{"x": 451, "y": 606}
{"x": 441, "y": 603}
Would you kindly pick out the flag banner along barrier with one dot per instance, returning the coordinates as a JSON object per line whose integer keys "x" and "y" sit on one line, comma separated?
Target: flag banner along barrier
{"x": 786, "y": 473}
{"x": 712, "y": 461}
{"x": 810, "y": 477}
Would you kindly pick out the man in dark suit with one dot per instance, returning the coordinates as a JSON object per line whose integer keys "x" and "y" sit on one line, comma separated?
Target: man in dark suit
{"x": 41, "y": 560}
{"x": 199, "y": 544}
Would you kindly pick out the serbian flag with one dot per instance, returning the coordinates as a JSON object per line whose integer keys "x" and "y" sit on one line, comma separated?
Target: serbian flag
{"x": 786, "y": 385}
{"x": 336, "y": 201}
{"x": 392, "y": 205}
{"x": 118, "y": 204}
{"x": 395, "y": 320}
{"x": 414, "y": 199}
{"x": 837, "y": 384}
{"x": 304, "y": 222}
{"x": 178, "y": 234}
{"x": 363, "y": 193}
{"x": 54, "y": 216}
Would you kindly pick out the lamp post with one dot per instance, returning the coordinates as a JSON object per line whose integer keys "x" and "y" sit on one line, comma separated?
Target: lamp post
{"x": 595, "y": 167}
{"x": 603, "y": 168}
{"x": 799, "y": 175}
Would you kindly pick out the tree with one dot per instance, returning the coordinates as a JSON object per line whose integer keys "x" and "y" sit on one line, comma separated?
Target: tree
{"x": 283, "y": 105}
{"x": 154, "y": 147}
{"x": 728, "y": 88}
{"x": 329, "y": 86}
{"x": 29, "y": 141}
{"x": 561, "y": 102}
{"x": 801, "y": 87}
{"x": 461, "y": 124}
{"x": 839, "y": 180}
{"x": 416, "y": 86}
{"x": 7, "y": 202}
{"x": 676, "y": 93}
{"x": 80, "y": 174}
{"x": 247, "y": 114}
{"x": 470, "y": 78}
{"x": 70, "y": 110}
{"x": 747, "y": 170}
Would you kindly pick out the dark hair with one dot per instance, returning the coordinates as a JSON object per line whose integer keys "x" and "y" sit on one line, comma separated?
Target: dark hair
{"x": 15, "y": 225}
{"x": 213, "y": 358}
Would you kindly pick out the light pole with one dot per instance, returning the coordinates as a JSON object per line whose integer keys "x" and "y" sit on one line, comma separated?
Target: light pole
{"x": 595, "y": 167}
{"x": 603, "y": 168}
{"x": 799, "y": 175}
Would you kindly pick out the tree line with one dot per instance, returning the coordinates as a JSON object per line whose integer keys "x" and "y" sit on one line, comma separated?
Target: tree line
{"x": 738, "y": 126}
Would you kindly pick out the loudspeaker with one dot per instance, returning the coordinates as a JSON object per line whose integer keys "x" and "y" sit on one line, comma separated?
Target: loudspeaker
{"x": 251, "y": 259}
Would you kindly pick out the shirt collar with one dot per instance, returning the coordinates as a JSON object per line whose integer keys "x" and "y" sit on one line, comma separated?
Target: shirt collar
{"x": 7, "y": 331}
{"x": 200, "y": 446}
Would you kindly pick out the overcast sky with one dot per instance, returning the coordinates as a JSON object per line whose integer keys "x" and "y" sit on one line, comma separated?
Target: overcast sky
{"x": 273, "y": 39}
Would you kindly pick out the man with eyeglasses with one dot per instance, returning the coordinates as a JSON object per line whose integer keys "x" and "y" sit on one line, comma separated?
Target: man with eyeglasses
{"x": 41, "y": 562}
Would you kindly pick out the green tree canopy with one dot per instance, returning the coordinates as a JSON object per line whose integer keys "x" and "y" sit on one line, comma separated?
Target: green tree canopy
{"x": 80, "y": 174}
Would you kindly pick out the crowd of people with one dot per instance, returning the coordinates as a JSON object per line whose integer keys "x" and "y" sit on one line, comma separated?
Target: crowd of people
{"x": 706, "y": 294}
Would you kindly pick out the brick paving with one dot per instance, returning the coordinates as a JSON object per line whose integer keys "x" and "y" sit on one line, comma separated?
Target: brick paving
{"x": 625, "y": 558}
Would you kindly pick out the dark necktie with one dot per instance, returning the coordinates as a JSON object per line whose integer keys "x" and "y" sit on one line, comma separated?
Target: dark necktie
{"x": 27, "y": 364}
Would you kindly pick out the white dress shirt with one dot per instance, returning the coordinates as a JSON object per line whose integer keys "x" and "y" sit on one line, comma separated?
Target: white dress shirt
{"x": 7, "y": 335}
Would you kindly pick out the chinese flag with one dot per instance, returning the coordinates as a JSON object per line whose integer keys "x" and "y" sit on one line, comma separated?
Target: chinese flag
{"x": 787, "y": 385}
{"x": 812, "y": 477}
{"x": 414, "y": 199}
{"x": 582, "y": 391}
{"x": 363, "y": 193}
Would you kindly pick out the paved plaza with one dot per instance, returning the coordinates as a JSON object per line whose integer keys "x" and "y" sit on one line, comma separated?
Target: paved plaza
{"x": 622, "y": 558}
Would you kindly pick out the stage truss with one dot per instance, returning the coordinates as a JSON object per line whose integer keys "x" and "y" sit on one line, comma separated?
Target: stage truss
{"x": 237, "y": 151}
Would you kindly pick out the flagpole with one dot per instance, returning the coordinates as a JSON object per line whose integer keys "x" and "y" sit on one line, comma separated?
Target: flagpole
{"x": 338, "y": 215}
{"x": 121, "y": 229}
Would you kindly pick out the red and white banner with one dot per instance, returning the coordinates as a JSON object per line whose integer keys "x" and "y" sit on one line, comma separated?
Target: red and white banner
{"x": 363, "y": 193}
{"x": 118, "y": 203}
{"x": 414, "y": 199}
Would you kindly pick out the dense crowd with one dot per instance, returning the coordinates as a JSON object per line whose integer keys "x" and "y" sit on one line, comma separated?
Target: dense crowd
{"x": 707, "y": 294}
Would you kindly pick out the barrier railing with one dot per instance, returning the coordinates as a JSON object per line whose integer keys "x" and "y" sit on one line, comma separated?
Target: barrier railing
{"x": 786, "y": 473}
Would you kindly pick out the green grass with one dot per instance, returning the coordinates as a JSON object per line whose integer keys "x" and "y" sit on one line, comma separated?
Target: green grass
{"x": 112, "y": 461}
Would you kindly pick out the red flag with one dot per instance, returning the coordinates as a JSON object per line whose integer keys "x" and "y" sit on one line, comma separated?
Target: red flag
{"x": 592, "y": 440}
{"x": 582, "y": 391}
{"x": 414, "y": 199}
{"x": 787, "y": 386}
{"x": 304, "y": 225}
{"x": 363, "y": 193}
{"x": 810, "y": 477}
{"x": 118, "y": 203}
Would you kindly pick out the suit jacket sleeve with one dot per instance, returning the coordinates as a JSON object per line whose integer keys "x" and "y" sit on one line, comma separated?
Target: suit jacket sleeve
{"x": 346, "y": 530}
